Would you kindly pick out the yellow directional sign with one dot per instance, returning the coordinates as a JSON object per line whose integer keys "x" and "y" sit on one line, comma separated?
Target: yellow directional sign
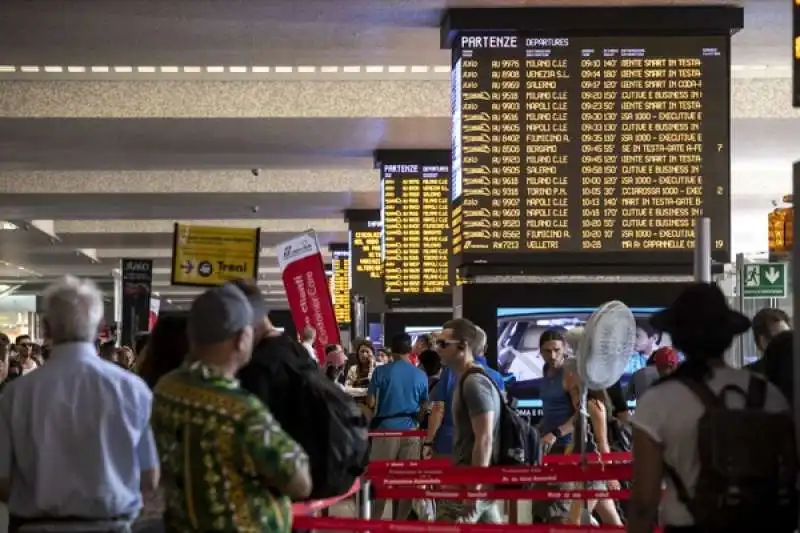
{"x": 208, "y": 255}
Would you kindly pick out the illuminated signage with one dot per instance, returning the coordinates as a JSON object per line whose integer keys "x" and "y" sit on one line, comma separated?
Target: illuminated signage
{"x": 594, "y": 149}
{"x": 366, "y": 265}
{"x": 340, "y": 286}
{"x": 416, "y": 230}
{"x": 796, "y": 53}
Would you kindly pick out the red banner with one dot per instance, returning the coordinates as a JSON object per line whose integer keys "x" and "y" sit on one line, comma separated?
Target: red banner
{"x": 303, "y": 274}
{"x": 155, "y": 307}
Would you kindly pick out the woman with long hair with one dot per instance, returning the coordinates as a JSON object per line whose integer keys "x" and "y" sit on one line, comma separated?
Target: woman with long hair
{"x": 167, "y": 348}
{"x": 359, "y": 374}
{"x": 593, "y": 436}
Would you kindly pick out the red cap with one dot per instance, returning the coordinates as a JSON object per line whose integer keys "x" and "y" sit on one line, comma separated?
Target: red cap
{"x": 665, "y": 358}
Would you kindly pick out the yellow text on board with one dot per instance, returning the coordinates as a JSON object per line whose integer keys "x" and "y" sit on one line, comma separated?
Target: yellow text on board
{"x": 209, "y": 255}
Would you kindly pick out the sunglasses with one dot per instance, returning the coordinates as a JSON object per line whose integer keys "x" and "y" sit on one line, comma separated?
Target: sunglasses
{"x": 442, "y": 343}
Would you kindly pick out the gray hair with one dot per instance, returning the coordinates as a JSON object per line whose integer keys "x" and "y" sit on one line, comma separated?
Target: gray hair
{"x": 479, "y": 346}
{"x": 308, "y": 334}
{"x": 73, "y": 310}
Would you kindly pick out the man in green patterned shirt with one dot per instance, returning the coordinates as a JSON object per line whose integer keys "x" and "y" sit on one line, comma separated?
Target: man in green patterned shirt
{"x": 227, "y": 466}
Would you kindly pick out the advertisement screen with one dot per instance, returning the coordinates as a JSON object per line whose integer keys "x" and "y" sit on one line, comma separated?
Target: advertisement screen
{"x": 519, "y": 359}
{"x": 417, "y": 331}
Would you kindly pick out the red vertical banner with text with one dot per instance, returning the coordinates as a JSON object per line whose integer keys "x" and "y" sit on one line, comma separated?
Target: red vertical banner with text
{"x": 303, "y": 274}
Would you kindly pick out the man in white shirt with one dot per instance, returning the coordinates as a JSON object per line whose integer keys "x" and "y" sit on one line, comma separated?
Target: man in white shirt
{"x": 307, "y": 340}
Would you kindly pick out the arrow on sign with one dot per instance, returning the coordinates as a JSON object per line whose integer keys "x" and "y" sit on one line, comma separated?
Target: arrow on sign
{"x": 187, "y": 267}
{"x": 772, "y": 275}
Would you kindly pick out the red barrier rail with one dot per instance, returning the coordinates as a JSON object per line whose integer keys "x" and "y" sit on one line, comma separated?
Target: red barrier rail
{"x": 381, "y": 526}
{"x": 413, "y": 433}
{"x": 385, "y": 466}
{"x": 591, "y": 458}
{"x": 312, "y": 506}
{"x": 408, "y": 493}
{"x": 420, "y": 473}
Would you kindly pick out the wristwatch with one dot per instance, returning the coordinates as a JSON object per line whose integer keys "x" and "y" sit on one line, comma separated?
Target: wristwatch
{"x": 557, "y": 433}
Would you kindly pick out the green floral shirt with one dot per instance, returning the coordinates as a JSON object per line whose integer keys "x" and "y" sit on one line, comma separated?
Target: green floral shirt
{"x": 222, "y": 455}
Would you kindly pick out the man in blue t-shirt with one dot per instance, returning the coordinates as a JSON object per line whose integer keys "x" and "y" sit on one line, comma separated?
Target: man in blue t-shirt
{"x": 397, "y": 392}
{"x": 439, "y": 440}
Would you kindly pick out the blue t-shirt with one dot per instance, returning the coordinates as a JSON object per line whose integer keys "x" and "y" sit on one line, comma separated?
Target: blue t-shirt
{"x": 399, "y": 388}
{"x": 556, "y": 403}
{"x": 443, "y": 392}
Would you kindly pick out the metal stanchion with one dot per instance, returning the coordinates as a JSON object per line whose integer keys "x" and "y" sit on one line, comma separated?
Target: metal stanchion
{"x": 358, "y": 307}
{"x": 117, "y": 273}
{"x": 364, "y": 504}
{"x": 796, "y": 304}
{"x": 738, "y": 361}
{"x": 702, "y": 250}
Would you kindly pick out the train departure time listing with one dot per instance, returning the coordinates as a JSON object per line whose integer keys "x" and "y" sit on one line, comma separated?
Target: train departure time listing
{"x": 603, "y": 144}
{"x": 416, "y": 229}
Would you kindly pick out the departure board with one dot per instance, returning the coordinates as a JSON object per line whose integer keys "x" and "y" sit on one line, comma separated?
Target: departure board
{"x": 796, "y": 53}
{"x": 366, "y": 265}
{"x": 416, "y": 230}
{"x": 340, "y": 286}
{"x": 606, "y": 147}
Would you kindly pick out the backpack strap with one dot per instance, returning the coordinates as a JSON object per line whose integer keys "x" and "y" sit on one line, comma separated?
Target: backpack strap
{"x": 756, "y": 392}
{"x": 703, "y": 393}
{"x": 477, "y": 370}
{"x": 709, "y": 400}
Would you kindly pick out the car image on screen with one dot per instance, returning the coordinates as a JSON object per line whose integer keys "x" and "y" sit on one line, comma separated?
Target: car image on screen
{"x": 518, "y": 334}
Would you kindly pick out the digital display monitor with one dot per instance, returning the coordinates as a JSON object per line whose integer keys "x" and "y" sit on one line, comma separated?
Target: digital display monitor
{"x": 340, "y": 286}
{"x": 366, "y": 266}
{"x": 415, "y": 214}
{"x": 519, "y": 359}
{"x": 415, "y": 332}
{"x": 589, "y": 149}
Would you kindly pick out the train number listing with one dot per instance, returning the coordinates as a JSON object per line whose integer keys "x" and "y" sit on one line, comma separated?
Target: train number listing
{"x": 605, "y": 144}
{"x": 416, "y": 229}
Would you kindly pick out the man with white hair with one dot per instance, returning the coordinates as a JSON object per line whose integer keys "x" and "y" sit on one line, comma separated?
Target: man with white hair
{"x": 76, "y": 447}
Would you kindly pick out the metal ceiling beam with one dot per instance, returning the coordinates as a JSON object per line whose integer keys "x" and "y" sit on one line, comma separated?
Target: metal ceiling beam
{"x": 751, "y": 98}
{"x": 245, "y": 181}
{"x": 275, "y": 225}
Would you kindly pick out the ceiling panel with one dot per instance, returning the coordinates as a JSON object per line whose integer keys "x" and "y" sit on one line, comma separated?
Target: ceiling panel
{"x": 188, "y": 206}
{"x": 254, "y": 32}
{"x": 209, "y": 143}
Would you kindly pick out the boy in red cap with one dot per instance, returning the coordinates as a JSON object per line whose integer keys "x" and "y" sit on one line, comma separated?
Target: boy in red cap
{"x": 666, "y": 360}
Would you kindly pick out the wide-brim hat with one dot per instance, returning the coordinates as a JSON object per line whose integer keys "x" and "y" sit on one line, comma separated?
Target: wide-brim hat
{"x": 700, "y": 309}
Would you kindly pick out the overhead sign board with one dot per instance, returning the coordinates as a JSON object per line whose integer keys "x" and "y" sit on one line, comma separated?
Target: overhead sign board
{"x": 209, "y": 255}
{"x": 764, "y": 280}
{"x": 796, "y": 52}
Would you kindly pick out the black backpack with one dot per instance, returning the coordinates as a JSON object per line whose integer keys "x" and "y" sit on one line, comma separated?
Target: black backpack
{"x": 519, "y": 441}
{"x": 316, "y": 412}
{"x": 748, "y": 464}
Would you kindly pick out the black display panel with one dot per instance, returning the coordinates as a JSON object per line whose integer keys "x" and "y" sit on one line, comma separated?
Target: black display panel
{"x": 366, "y": 265}
{"x": 340, "y": 286}
{"x": 796, "y": 53}
{"x": 415, "y": 211}
{"x": 589, "y": 150}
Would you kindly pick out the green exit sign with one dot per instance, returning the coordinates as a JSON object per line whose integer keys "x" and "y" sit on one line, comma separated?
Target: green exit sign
{"x": 764, "y": 280}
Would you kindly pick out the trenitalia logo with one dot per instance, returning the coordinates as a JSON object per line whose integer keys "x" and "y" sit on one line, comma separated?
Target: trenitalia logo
{"x": 290, "y": 251}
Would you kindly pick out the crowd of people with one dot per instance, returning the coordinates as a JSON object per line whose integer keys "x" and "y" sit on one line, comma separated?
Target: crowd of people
{"x": 194, "y": 428}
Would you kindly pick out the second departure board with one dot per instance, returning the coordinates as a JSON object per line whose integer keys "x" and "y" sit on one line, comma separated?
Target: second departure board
{"x": 601, "y": 148}
{"x": 340, "y": 286}
{"x": 796, "y": 53}
{"x": 366, "y": 265}
{"x": 416, "y": 231}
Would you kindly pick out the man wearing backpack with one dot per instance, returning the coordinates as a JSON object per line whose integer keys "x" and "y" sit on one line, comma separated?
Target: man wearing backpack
{"x": 722, "y": 438}
{"x": 312, "y": 409}
{"x": 477, "y": 404}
